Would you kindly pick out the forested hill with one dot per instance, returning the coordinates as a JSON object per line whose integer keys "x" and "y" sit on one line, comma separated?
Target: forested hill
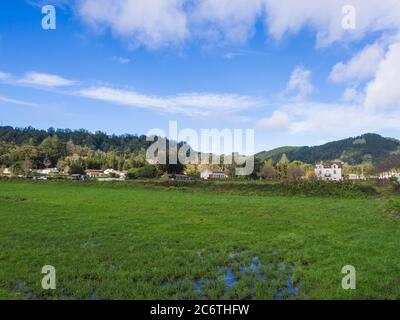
{"x": 24, "y": 149}
{"x": 366, "y": 148}
{"x": 17, "y": 144}
{"x": 96, "y": 141}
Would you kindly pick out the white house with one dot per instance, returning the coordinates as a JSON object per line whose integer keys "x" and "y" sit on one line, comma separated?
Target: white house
{"x": 121, "y": 174}
{"x": 111, "y": 171}
{"x": 7, "y": 172}
{"x": 329, "y": 171}
{"x": 211, "y": 174}
{"x": 47, "y": 171}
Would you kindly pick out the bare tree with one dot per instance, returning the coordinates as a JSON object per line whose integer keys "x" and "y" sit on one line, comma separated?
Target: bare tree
{"x": 268, "y": 171}
{"x": 26, "y": 166}
{"x": 388, "y": 164}
{"x": 295, "y": 172}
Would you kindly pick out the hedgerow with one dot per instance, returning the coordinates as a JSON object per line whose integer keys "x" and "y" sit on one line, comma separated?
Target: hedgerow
{"x": 306, "y": 188}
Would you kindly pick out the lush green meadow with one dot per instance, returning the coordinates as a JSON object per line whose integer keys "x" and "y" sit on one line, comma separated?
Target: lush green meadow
{"x": 138, "y": 241}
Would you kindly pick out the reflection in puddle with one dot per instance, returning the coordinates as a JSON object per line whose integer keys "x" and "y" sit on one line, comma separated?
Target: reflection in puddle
{"x": 229, "y": 278}
{"x": 246, "y": 271}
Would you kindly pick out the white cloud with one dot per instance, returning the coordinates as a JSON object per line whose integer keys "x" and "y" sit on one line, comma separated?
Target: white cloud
{"x": 360, "y": 68}
{"x": 290, "y": 16}
{"x": 383, "y": 91}
{"x": 151, "y": 23}
{"x": 331, "y": 119}
{"x": 370, "y": 108}
{"x": 229, "y": 20}
{"x": 191, "y": 104}
{"x": 352, "y": 95}
{"x": 156, "y": 23}
{"x": 279, "y": 119}
{"x": 299, "y": 84}
{"x": 45, "y": 80}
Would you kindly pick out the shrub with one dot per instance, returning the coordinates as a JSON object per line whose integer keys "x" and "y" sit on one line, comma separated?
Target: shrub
{"x": 393, "y": 206}
{"x": 143, "y": 172}
{"x": 76, "y": 168}
{"x": 303, "y": 187}
{"x": 132, "y": 174}
{"x": 396, "y": 185}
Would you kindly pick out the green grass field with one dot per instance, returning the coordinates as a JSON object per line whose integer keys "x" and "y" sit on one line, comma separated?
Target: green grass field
{"x": 125, "y": 241}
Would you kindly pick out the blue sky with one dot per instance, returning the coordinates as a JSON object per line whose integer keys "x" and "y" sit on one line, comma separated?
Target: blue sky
{"x": 290, "y": 71}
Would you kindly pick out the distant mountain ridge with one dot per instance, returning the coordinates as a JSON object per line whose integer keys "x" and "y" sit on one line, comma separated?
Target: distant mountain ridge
{"x": 368, "y": 147}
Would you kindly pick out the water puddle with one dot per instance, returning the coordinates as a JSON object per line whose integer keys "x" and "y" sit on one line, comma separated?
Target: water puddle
{"x": 254, "y": 271}
{"x": 230, "y": 279}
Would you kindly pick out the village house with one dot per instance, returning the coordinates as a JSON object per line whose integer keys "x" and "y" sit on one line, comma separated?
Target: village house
{"x": 211, "y": 174}
{"x": 121, "y": 174}
{"x": 329, "y": 171}
{"x": 7, "y": 172}
{"x": 47, "y": 171}
{"x": 94, "y": 173}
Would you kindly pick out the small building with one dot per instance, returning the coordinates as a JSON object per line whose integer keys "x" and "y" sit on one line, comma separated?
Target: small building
{"x": 355, "y": 176}
{"x": 94, "y": 173}
{"x": 329, "y": 171}
{"x": 47, "y": 171}
{"x": 178, "y": 177}
{"x": 111, "y": 171}
{"x": 7, "y": 172}
{"x": 207, "y": 174}
{"x": 121, "y": 174}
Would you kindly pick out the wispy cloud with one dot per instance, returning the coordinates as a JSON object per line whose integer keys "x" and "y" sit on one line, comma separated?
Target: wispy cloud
{"x": 240, "y": 53}
{"x": 45, "y": 80}
{"x": 18, "y": 102}
{"x": 191, "y": 104}
{"x": 120, "y": 60}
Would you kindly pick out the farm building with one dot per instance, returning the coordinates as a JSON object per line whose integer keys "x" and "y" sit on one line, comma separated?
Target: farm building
{"x": 211, "y": 174}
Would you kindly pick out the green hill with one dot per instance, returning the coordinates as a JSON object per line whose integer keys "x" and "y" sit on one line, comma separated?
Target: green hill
{"x": 365, "y": 148}
{"x": 276, "y": 154}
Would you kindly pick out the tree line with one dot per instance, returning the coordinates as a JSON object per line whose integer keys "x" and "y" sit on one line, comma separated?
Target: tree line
{"x": 74, "y": 151}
